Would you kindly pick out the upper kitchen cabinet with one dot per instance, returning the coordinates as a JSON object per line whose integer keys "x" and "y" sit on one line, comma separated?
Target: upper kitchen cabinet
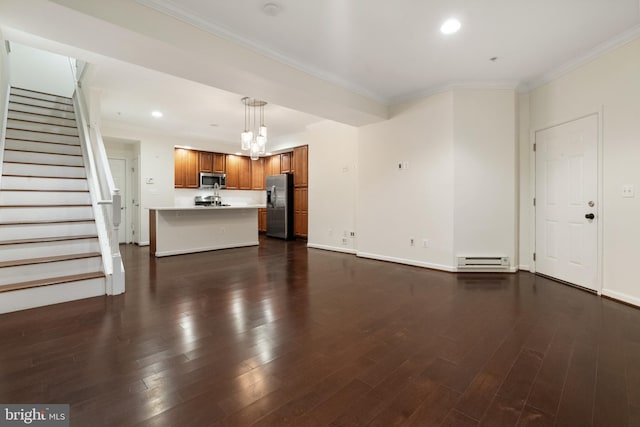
{"x": 285, "y": 163}
{"x": 272, "y": 165}
{"x": 258, "y": 174}
{"x": 219, "y": 163}
{"x": 238, "y": 172}
{"x": 206, "y": 161}
{"x": 185, "y": 168}
{"x": 300, "y": 161}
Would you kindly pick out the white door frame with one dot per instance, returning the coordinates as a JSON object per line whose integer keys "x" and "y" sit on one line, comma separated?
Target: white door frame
{"x": 600, "y": 206}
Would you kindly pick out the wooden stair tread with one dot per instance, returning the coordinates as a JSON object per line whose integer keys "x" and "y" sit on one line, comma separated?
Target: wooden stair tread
{"x": 17, "y": 138}
{"x": 41, "y": 131}
{"x": 44, "y": 260}
{"x": 42, "y": 93}
{"x": 50, "y": 281}
{"x": 48, "y": 239}
{"x": 64, "y": 110}
{"x": 44, "y": 191}
{"x": 40, "y": 123}
{"x": 46, "y": 177}
{"x": 41, "y": 152}
{"x": 47, "y": 221}
{"x": 43, "y": 164}
{"x": 75, "y": 205}
{"x": 10, "y": 110}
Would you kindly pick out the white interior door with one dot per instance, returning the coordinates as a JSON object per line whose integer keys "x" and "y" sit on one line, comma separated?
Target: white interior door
{"x": 566, "y": 197}
{"x": 119, "y": 172}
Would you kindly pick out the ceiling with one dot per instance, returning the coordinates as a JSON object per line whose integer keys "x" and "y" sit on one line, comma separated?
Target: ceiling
{"x": 382, "y": 51}
{"x": 392, "y": 50}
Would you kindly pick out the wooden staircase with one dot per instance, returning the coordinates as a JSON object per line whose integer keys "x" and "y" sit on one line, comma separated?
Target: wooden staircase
{"x": 49, "y": 248}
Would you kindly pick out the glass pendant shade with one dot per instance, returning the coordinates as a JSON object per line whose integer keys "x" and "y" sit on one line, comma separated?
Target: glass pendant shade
{"x": 255, "y": 151}
{"x": 261, "y": 141}
{"x": 263, "y": 131}
{"x": 246, "y": 138}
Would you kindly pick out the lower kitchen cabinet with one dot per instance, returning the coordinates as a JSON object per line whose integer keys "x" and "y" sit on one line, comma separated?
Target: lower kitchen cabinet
{"x": 262, "y": 220}
{"x": 301, "y": 212}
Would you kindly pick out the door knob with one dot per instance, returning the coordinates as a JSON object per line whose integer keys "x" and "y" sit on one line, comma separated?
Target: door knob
{"x": 590, "y": 216}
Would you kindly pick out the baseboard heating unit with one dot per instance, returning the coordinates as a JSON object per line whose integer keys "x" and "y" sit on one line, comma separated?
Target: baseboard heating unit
{"x": 483, "y": 262}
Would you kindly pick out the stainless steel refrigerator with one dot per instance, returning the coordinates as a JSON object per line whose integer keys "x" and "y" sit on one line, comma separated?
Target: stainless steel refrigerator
{"x": 280, "y": 206}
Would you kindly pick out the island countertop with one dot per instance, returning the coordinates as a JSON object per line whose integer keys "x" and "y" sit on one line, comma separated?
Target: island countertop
{"x": 178, "y": 230}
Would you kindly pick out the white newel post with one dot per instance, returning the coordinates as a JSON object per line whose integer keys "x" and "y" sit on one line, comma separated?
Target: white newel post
{"x": 118, "y": 270}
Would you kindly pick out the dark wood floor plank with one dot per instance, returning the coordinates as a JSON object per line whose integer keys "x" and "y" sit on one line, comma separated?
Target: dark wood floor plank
{"x": 284, "y": 335}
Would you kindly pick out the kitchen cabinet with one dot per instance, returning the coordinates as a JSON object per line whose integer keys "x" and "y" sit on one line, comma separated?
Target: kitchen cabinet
{"x": 285, "y": 163}
{"x": 272, "y": 165}
{"x": 300, "y": 162}
{"x": 185, "y": 168}
{"x": 238, "y": 172}
{"x": 300, "y": 211}
{"x": 219, "y": 164}
{"x": 257, "y": 174}
{"x": 262, "y": 220}
{"x": 206, "y": 161}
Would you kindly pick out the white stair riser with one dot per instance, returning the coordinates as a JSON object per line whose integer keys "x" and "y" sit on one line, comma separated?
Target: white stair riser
{"x": 26, "y": 273}
{"x": 50, "y": 159}
{"x": 32, "y": 231}
{"x": 42, "y": 111}
{"x": 26, "y": 183}
{"x": 41, "y": 103}
{"x": 44, "y": 137}
{"x": 45, "y": 249}
{"x": 44, "y": 147}
{"x": 54, "y": 294}
{"x": 42, "y": 170}
{"x": 40, "y": 118}
{"x": 65, "y": 213}
{"x": 41, "y": 127}
{"x": 43, "y": 96}
{"x": 43, "y": 198}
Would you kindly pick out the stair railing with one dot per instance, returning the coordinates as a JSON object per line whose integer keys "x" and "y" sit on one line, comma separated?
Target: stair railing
{"x": 105, "y": 196}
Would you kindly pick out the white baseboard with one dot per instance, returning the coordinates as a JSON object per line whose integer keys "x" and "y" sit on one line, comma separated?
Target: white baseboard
{"x": 415, "y": 263}
{"x": 143, "y": 243}
{"x": 332, "y": 248}
{"x": 524, "y": 267}
{"x": 205, "y": 249}
{"x": 621, "y": 297}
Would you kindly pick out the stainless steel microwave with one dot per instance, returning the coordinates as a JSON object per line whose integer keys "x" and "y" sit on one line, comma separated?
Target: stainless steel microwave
{"x": 208, "y": 180}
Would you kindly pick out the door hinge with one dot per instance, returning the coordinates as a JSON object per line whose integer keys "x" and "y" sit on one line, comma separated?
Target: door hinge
{"x": 534, "y": 201}
{"x": 534, "y": 146}
{"x": 534, "y": 256}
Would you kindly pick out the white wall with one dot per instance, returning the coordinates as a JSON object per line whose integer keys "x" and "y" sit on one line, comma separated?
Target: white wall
{"x": 525, "y": 219}
{"x": 396, "y": 205}
{"x": 41, "y": 71}
{"x": 5, "y": 75}
{"x": 485, "y": 189}
{"x": 333, "y": 163}
{"x": 611, "y": 85}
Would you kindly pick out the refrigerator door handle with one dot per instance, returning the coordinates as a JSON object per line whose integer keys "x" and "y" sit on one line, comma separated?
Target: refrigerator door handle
{"x": 274, "y": 197}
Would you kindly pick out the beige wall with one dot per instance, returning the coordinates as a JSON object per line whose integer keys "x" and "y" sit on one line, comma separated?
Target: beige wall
{"x": 609, "y": 86}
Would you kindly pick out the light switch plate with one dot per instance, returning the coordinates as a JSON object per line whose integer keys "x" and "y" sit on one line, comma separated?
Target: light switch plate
{"x": 628, "y": 190}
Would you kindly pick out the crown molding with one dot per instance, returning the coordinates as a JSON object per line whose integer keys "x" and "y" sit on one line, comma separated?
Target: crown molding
{"x": 452, "y": 85}
{"x": 598, "y": 51}
{"x": 168, "y": 7}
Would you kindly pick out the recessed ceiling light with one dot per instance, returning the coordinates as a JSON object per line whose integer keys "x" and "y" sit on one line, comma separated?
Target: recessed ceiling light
{"x": 214, "y": 125}
{"x": 156, "y": 114}
{"x": 450, "y": 26}
{"x": 493, "y": 59}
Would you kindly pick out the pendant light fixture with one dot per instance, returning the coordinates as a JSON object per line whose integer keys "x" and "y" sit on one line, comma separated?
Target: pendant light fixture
{"x": 254, "y": 136}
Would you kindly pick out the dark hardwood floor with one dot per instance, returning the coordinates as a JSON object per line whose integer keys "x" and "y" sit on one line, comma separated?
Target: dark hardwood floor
{"x": 281, "y": 335}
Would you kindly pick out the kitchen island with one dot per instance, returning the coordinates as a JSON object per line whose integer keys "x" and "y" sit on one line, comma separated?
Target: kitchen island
{"x": 183, "y": 230}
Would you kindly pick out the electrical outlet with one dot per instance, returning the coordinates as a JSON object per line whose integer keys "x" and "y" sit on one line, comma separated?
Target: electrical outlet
{"x": 425, "y": 243}
{"x": 628, "y": 191}
{"x": 352, "y": 234}
{"x": 412, "y": 241}
{"x": 345, "y": 241}
{"x": 400, "y": 166}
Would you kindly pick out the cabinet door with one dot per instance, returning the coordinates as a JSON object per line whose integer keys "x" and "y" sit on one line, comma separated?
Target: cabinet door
{"x": 192, "y": 177}
{"x": 178, "y": 167}
{"x": 285, "y": 163}
{"x": 219, "y": 163}
{"x": 206, "y": 161}
{"x": 233, "y": 172}
{"x": 244, "y": 179}
{"x": 257, "y": 174}
{"x": 262, "y": 220}
{"x": 301, "y": 211}
{"x": 300, "y": 158}
{"x": 273, "y": 165}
